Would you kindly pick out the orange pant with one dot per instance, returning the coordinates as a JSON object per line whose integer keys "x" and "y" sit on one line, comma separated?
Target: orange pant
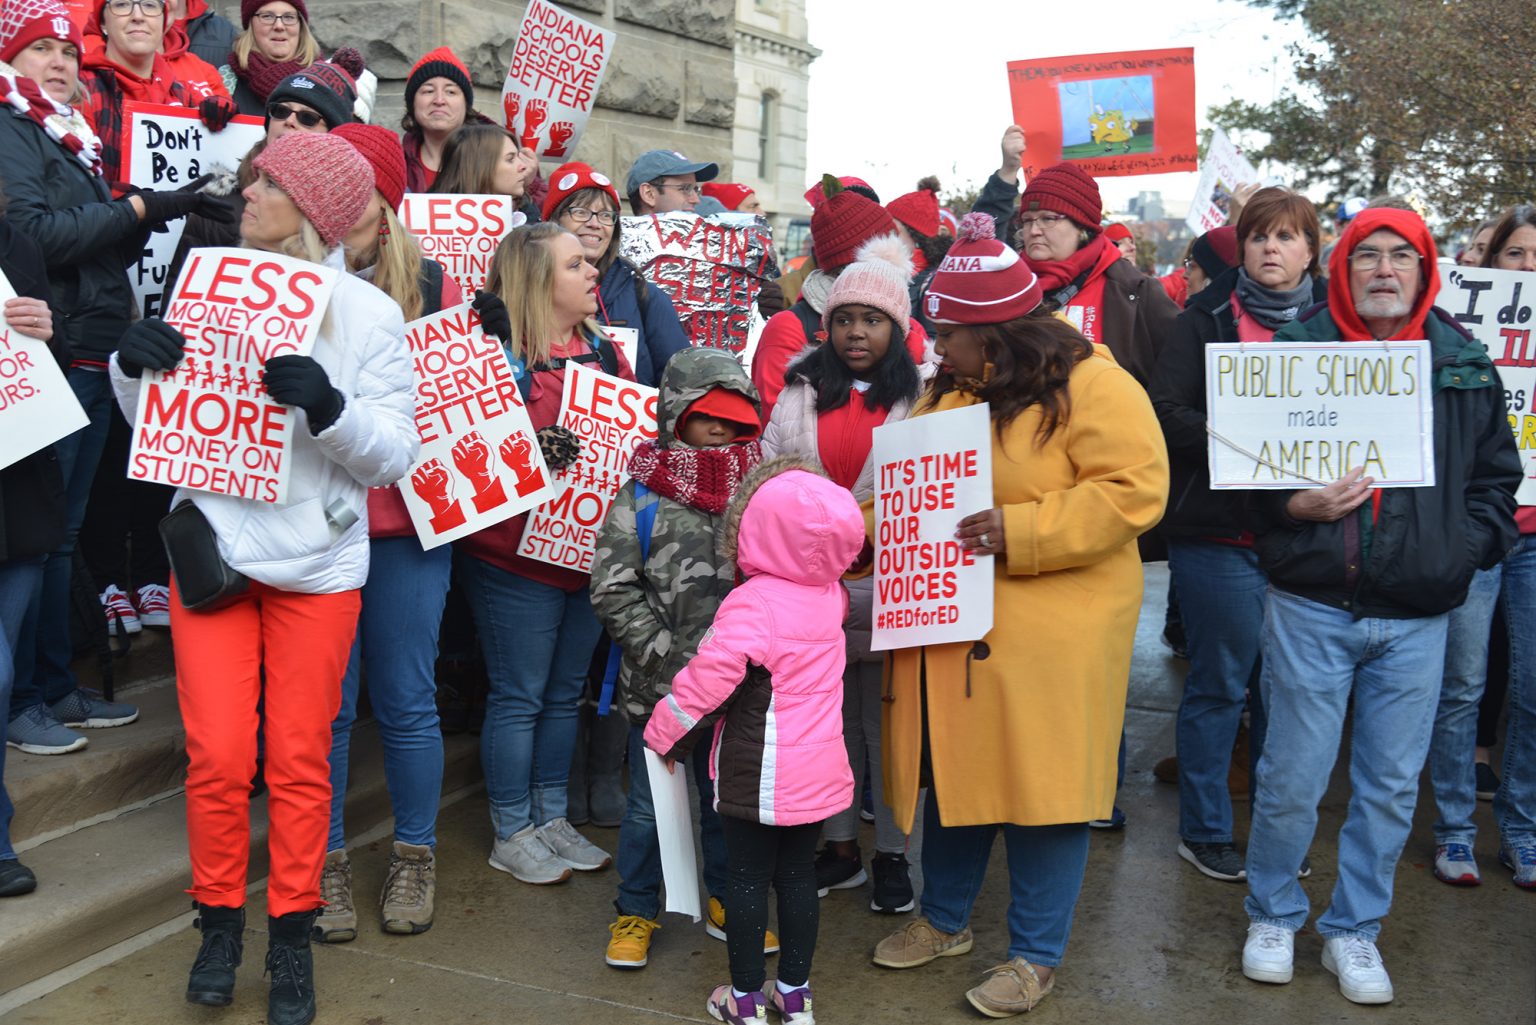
{"x": 302, "y": 641}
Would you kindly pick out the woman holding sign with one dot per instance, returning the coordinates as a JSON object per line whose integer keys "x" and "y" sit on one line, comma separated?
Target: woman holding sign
{"x": 1018, "y": 730}
{"x": 270, "y": 657}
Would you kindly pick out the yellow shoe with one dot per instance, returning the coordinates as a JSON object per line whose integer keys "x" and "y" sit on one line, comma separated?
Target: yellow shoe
{"x": 631, "y": 941}
{"x": 714, "y": 924}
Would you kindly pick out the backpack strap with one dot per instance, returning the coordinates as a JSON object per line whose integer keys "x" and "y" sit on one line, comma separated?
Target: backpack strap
{"x": 431, "y": 283}
{"x": 645, "y": 522}
{"x": 810, "y": 320}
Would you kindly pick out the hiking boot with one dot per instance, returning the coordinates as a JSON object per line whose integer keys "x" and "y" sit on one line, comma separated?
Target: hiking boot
{"x": 893, "y": 885}
{"x": 714, "y": 925}
{"x": 724, "y": 1006}
{"x": 153, "y": 604}
{"x": 1363, "y": 979}
{"x": 409, "y": 888}
{"x": 629, "y": 941}
{"x": 835, "y": 872}
{"x": 1217, "y": 860}
{"x": 86, "y": 709}
{"x": 120, "y": 611}
{"x": 15, "y": 878}
{"x": 1011, "y": 988}
{"x": 1454, "y": 864}
{"x": 527, "y": 858}
{"x": 918, "y": 943}
{"x": 1520, "y": 858}
{"x": 337, "y": 921}
{"x": 37, "y": 732}
{"x": 212, "y": 980}
{"x": 290, "y": 962}
{"x": 572, "y": 848}
{"x": 794, "y": 1007}
{"x": 1269, "y": 953}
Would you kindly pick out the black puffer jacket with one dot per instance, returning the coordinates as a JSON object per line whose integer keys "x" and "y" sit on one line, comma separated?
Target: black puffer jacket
{"x": 85, "y": 236}
{"x": 1178, "y": 396}
{"x": 1425, "y": 543}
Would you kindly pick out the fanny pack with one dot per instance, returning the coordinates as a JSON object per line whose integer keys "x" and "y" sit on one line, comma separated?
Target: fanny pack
{"x": 204, "y": 581}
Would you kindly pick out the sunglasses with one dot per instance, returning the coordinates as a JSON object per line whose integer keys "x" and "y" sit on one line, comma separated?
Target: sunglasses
{"x": 282, "y": 112}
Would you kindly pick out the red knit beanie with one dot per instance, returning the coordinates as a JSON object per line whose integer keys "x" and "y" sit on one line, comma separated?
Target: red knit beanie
{"x": 981, "y": 281}
{"x": 843, "y": 223}
{"x": 248, "y": 9}
{"x": 917, "y": 210}
{"x": 574, "y": 177}
{"x": 24, "y": 22}
{"x": 723, "y": 404}
{"x": 1117, "y": 231}
{"x": 816, "y": 195}
{"x": 1066, "y": 189}
{"x": 440, "y": 63}
{"x": 326, "y": 178}
{"x": 381, "y": 148}
{"x": 730, "y": 194}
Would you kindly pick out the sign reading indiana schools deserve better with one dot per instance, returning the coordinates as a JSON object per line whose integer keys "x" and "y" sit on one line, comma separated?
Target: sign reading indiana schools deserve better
{"x": 1303, "y": 414}
{"x": 557, "y": 66}
{"x": 930, "y": 473}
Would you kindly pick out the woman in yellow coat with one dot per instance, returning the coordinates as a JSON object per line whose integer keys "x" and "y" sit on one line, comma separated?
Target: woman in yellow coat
{"x": 1019, "y": 730}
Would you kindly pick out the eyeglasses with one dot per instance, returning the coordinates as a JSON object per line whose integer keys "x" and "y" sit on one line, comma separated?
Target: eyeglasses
{"x": 1369, "y": 258}
{"x": 580, "y": 214}
{"x": 148, "y": 8}
{"x": 282, "y": 112}
{"x": 687, "y": 189}
{"x": 269, "y": 19}
{"x": 1045, "y": 221}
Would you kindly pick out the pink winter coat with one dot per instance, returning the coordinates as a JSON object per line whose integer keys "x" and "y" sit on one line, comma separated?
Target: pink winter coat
{"x": 774, "y": 657}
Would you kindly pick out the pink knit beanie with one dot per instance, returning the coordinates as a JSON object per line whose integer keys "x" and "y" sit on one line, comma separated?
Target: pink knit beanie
{"x": 877, "y": 277}
{"x": 327, "y": 179}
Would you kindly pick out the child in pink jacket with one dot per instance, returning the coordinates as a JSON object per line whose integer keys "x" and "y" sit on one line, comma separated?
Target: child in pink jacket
{"x": 773, "y": 661}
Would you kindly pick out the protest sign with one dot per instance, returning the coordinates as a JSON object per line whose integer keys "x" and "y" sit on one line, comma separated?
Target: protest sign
{"x": 930, "y": 473}
{"x": 1303, "y": 414}
{"x": 1113, "y": 113}
{"x": 610, "y": 416}
{"x": 674, "y": 835}
{"x": 1221, "y": 172}
{"x": 208, "y": 424}
{"x": 37, "y": 405}
{"x": 1496, "y": 306}
{"x": 167, "y": 148}
{"x": 460, "y": 231}
{"x": 472, "y": 423}
{"x": 557, "y": 65}
{"x": 711, "y": 267}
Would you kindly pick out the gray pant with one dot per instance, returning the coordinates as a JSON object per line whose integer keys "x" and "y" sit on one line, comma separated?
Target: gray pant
{"x": 861, "y": 733}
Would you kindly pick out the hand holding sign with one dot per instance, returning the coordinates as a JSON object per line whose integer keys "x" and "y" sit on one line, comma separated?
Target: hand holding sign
{"x": 1332, "y": 502}
{"x": 300, "y": 381}
{"x": 150, "y": 344}
{"x": 30, "y": 316}
{"x": 983, "y": 532}
{"x": 1013, "y": 152}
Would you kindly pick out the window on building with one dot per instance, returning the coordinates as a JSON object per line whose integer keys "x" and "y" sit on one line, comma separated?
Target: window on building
{"x": 767, "y": 134}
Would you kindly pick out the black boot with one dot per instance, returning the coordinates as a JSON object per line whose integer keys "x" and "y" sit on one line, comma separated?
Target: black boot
{"x": 292, "y": 967}
{"x": 212, "y": 980}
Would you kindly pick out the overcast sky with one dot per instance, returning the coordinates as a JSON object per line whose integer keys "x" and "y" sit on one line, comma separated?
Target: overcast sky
{"x": 904, "y": 89}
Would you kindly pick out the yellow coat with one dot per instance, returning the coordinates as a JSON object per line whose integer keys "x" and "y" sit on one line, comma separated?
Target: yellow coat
{"x": 1035, "y": 740}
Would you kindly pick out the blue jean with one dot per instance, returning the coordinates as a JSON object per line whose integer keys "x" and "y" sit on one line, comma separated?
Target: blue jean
{"x": 1221, "y": 598}
{"x": 1466, "y": 673}
{"x": 639, "y": 855}
{"x": 538, "y": 642}
{"x": 1045, "y": 875}
{"x": 1315, "y": 658}
{"x": 397, "y": 644}
{"x": 18, "y": 580}
{"x": 44, "y": 649}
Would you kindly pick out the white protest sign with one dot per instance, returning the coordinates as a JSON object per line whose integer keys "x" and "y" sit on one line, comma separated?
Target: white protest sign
{"x": 208, "y": 424}
{"x": 167, "y": 147}
{"x": 480, "y": 461}
{"x": 557, "y": 65}
{"x": 674, "y": 835}
{"x": 1222, "y": 171}
{"x": 1496, "y": 306}
{"x": 930, "y": 473}
{"x": 37, "y": 405}
{"x": 611, "y": 416}
{"x": 460, "y": 231}
{"x": 628, "y": 341}
{"x": 1303, "y": 414}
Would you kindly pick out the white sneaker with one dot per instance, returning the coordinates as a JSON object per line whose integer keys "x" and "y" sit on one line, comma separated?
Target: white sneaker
{"x": 119, "y": 610}
{"x": 153, "y": 602}
{"x": 1269, "y": 953}
{"x": 1357, "y": 963}
{"x": 527, "y": 858}
{"x": 571, "y": 847}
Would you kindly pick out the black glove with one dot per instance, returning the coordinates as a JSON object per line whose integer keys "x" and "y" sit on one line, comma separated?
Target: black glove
{"x": 560, "y": 445}
{"x": 493, "y": 315}
{"x": 150, "y": 344}
{"x": 216, "y": 112}
{"x": 160, "y": 207}
{"x": 300, "y": 381}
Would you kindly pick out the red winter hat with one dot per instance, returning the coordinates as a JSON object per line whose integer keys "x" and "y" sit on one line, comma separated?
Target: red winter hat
{"x": 1341, "y": 300}
{"x": 381, "y": 148}
{"x": 326, "y": 178}
{"x": 440, "y": 63}
{"x": 574, "y": 177}
{"x": 917, "y": 210}
{"x": 815, "y": 195}
{"x": 730, "y": 194}
{"x": 1066, "y": 189}
{"x": 248, "y": 9}
{"x": 1216, "y": 250}
{"x": 724, "y": 404}
{"x": 1117, "y": 231}
{"x": 981, "y": 281}
{"x": 840, "y": 225}
{"x": 24, "y": 22}
{"x": 947, "y": 219}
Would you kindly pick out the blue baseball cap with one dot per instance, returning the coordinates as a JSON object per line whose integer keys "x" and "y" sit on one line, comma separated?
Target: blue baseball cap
{"x": 662, "y": 163}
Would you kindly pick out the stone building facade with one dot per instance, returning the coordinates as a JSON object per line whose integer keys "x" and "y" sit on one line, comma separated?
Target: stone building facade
{"x": 773, "y": 58}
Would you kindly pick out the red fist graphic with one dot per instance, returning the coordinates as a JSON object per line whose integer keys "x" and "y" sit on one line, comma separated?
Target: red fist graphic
{"x": 434, "y": 485}
{"x": 517, "y": 453}
{"x": 559, "y": 134}
{"x": 510, "y": 105}
{"x": 473, "y": 458}
{"x": 533, "y": 117}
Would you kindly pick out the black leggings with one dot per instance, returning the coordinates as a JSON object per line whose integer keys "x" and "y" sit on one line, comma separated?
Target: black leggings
{"x": 785, "y": 856}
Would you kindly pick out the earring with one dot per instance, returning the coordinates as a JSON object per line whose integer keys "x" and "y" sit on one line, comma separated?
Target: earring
{"x": 383, "y": 230}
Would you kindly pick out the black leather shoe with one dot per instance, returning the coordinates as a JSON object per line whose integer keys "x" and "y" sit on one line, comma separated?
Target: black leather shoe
{"x": 15, "y": 878}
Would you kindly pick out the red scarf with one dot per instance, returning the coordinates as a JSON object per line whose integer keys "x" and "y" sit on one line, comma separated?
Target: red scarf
{"x": 1341, "y": 301}
{"x": 261, "y": 75}
{"x": 63, "y": 124}
{"x": 705, "y": 479}
{"x": 1083, "y": 307}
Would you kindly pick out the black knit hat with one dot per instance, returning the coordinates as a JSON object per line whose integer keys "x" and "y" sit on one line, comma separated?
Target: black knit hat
{"x": 440, "y": 63}
{"x": 329, "y": 86}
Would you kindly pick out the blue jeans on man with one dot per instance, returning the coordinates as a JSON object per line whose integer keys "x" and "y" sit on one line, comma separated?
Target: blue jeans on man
{"x": 18, "y": 581}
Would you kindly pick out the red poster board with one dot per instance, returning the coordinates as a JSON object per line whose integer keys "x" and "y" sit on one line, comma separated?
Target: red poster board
{"x": 1112, "y": 113}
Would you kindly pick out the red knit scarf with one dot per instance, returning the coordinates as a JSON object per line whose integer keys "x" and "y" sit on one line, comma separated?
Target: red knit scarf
{"x": 1098, "y": 256}
{"x": 263, "y": 75}
{"x": 63, "y": 125}
{"x": 701, "y": 478}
